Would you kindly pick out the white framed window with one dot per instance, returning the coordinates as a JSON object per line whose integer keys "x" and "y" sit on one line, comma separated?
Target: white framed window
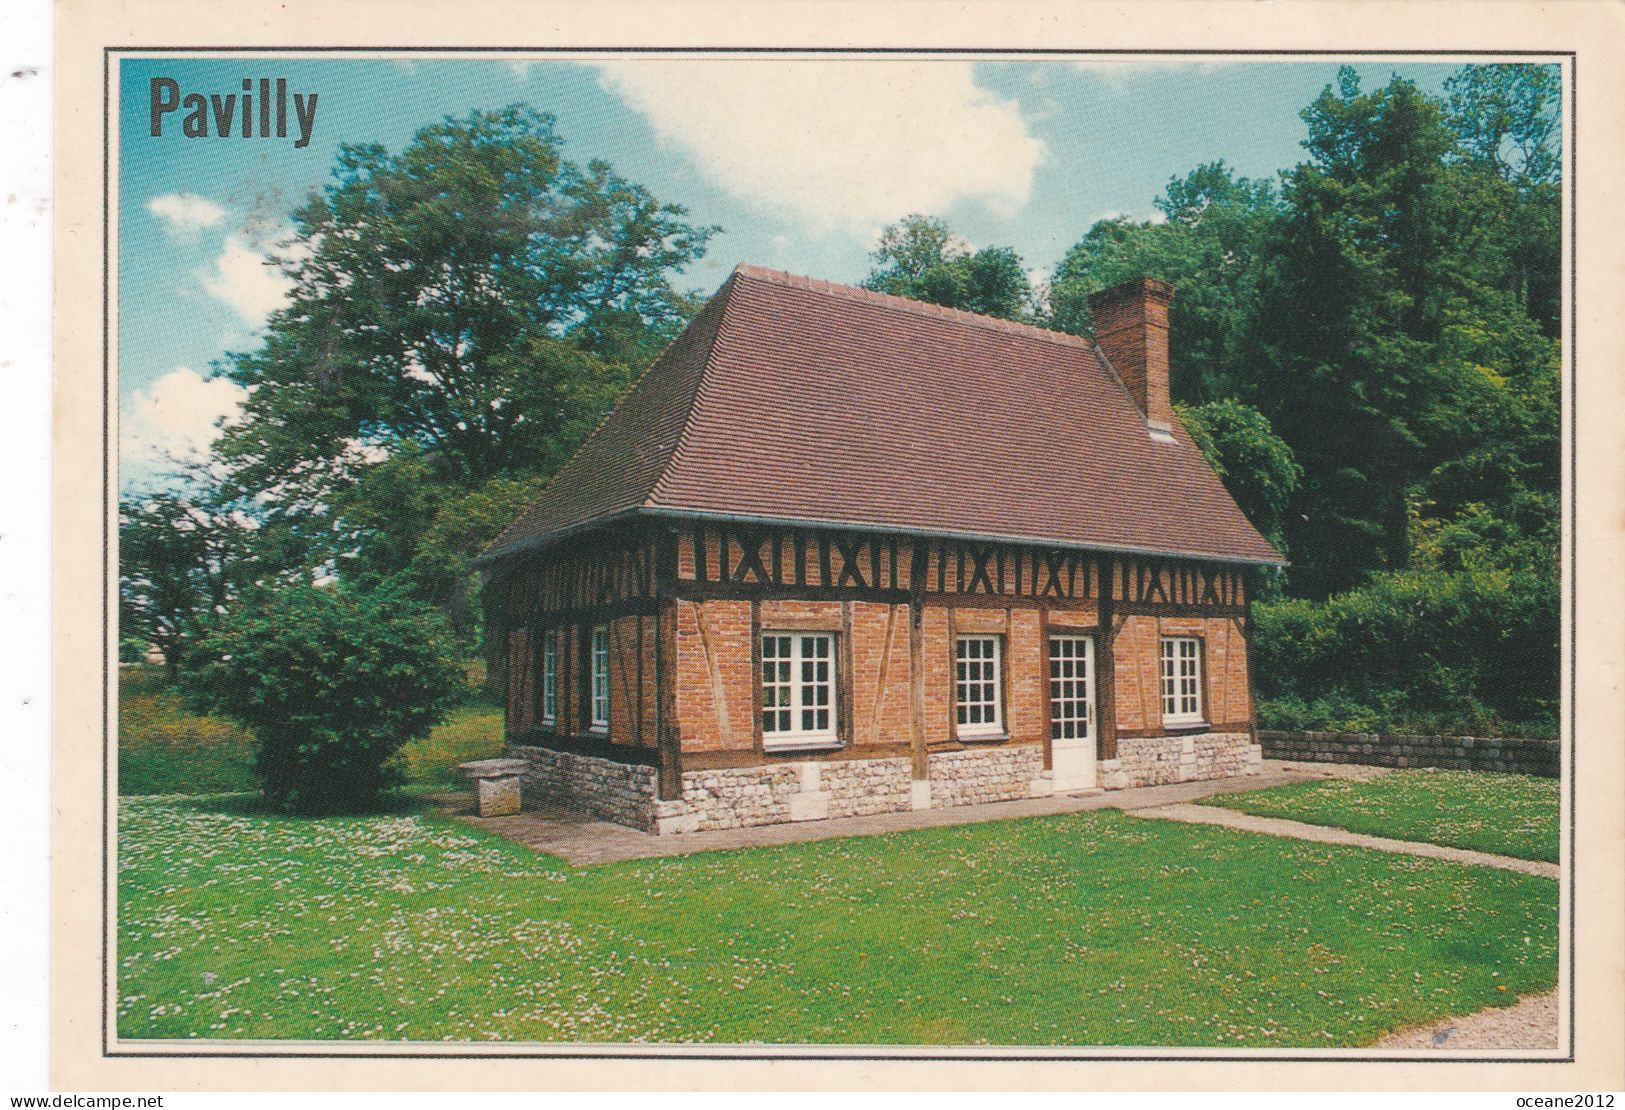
{"x": 798, "y": 689}
{"x": 550, "y": 678}
{"x": 1181, "y": 680}
{"x": 978, "y": 703}
{"x": 600, "y": 679}
{"x": 1071, "y": 686}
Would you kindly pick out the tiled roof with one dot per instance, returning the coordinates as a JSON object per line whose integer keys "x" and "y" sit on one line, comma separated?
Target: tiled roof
{"x": 798, "y": 400}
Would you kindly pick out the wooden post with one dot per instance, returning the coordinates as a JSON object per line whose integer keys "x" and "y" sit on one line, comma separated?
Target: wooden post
{"x": 916, "y": 683}
{"x": 669, "y": 736}
{"x": 1106, "y": 665}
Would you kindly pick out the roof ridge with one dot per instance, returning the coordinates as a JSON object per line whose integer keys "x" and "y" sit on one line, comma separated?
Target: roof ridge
{"x": 906, "y": 304}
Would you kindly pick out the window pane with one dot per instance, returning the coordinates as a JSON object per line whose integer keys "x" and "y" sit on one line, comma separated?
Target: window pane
{"x": 1182, "y": 678}
{"x": 798, "y": 682}
{"x": 976, "y": 685}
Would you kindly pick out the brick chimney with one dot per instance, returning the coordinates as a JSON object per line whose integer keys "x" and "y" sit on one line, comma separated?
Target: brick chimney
{"x": 1131, "y": 327}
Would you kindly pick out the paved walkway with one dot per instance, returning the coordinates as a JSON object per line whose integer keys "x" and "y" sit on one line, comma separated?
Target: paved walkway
{"x": 1323, "y": 834}
{"x": 583, "y": 840}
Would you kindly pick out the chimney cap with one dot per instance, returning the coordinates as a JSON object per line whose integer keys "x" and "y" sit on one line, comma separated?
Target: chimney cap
{"x": 1135, "y": 287}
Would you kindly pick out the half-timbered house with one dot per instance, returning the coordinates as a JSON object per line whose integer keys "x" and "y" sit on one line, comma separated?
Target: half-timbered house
{"x": 842, "y": 553}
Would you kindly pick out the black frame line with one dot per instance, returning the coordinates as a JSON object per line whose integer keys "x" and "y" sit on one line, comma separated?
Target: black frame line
{"x": 813, "y": 1052}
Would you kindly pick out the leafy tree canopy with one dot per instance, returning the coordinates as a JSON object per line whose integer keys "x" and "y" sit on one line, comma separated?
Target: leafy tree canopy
{"x": 918, "y": 257}
{"x": 457, "y": 297}
{"x": 1254, "y": 463}
{"x": 1507, "y": 116}
{"x": 1207, "y": 246}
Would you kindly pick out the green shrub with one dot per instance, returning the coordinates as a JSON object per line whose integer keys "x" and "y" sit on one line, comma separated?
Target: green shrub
{"x": 1470, "y": 652}
{"x": 331, "y": 681}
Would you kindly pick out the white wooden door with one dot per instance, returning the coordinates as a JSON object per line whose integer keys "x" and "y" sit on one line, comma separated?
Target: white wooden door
{"x": 1072, "y": 711}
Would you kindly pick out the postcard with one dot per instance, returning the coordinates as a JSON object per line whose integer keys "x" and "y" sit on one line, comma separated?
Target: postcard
{"x": 1071, "y": 547}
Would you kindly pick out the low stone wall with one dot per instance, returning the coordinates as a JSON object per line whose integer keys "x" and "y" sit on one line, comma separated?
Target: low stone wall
{"x": 978, "y": 775}
{"x": 1459, "y": 753}
{"x": 619, "y": 792}
{"x": 1159, "y": 760}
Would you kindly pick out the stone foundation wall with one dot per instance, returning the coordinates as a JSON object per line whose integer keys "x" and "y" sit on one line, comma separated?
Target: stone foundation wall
{"x": 860, "y": 787}
{"x": 619, "y": 792}
{"x": 811, "y": 790}
{"x": 1159, "y": 760}
{"x": 1460, "y": 753}
{"x": 737, "y": 797}
{"x": 733, "y": 797}
{"x": 979, "y": 775}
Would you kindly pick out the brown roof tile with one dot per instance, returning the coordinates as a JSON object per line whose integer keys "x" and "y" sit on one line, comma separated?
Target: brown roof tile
{"x": 794, "y": 399}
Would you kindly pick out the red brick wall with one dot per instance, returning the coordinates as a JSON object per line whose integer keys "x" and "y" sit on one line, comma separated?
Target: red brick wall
{"x": 624, "y": 718}
{"x": 1138, "y": 669}
{"x": 938, "y": 664}
{"x": 521, "y": 680}
{"x": 1026, "y": 658}
{"x": 877, "y": 655}
{"x": 715, "y": 684}
{"x": 716, "y": 676}
{"x": 651, "y": 688}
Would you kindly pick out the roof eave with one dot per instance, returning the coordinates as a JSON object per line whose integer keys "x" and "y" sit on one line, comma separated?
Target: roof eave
{"x": 547, "y": 539}
{"x": 677, "y": 513}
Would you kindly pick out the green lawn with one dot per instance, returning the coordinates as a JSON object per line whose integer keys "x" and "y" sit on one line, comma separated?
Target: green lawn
{"x": 1088, "y": 928}
{"x": 1511, "y": 815}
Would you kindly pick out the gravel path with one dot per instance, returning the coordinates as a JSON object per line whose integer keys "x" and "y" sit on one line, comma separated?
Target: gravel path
{"x": 1325, "y": 834}
{"x": 1530, "y": 1023}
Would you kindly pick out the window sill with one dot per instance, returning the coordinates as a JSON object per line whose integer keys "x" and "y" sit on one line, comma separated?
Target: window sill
{"x": 598, "y": 730}
{"x": 811, "y": 744}
{"x": 1181, "y": 728}
{"x": 982, "y": 737}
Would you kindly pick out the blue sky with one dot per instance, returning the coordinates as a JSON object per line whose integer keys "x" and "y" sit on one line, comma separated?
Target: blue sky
{"x": 800, "y": 161}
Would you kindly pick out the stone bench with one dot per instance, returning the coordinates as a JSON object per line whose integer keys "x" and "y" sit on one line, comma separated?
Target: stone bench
{"x": 496, "y": 785}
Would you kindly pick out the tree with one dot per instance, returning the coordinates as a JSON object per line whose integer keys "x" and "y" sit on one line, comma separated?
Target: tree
{"x": 1351, "y": 311}
{"x": 1507, "y": 115}
{"x": 1507, "y": 118}
{"x": 182, "y": 557}
{"x": 463, "y": 312}
{"x": 437, "y": 565}
{"x": 1208, "y": 246}
{"x": 919, "y": 258}
{"x": 332, "y": 682}
{"x": 454, "y": 297}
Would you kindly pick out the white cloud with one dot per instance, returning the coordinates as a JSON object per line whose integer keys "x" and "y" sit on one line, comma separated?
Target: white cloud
{"x": 174, "y": 421}
{"x": 245, "y": 279}
{"x": 185, "y": 214}
{"x": 842, "y": 144}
